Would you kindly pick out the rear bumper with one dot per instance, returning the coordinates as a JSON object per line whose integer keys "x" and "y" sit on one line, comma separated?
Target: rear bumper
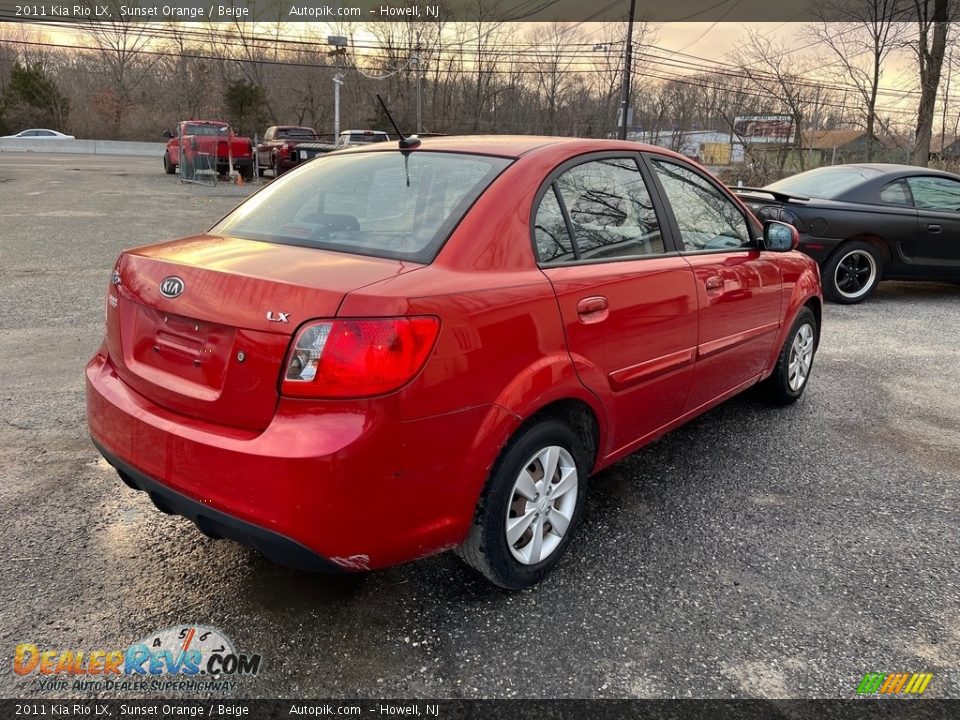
{"x": 238, "y": 163}
{"x": 349, "y": 483}
{"x": 275, "y": 547}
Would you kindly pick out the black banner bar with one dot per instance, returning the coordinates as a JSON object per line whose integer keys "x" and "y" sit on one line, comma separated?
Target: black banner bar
{"x": 368, "y": 11}
{"x": 892, "y": 708}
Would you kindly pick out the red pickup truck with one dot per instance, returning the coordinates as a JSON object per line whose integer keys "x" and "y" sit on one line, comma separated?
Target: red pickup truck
{"x": 285, "y": 146}
{"x": 209, "y": 141}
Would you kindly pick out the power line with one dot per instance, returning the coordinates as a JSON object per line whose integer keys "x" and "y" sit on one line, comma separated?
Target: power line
{"x": 667, "y": 66}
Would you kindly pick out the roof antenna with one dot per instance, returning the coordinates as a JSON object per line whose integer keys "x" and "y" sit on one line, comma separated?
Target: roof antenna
{"x": 405, "y": 142}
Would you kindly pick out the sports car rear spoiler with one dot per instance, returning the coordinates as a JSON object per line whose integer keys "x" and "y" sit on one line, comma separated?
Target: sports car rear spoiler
{"x": 775, "y": 194}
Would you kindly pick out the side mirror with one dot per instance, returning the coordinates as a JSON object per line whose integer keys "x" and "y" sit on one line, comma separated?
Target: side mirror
{"x": 780, "y": 236}
{"x": 167, "y": 134}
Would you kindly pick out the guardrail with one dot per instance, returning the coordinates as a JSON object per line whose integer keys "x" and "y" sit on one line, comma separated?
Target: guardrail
{"x": 85, "y": 147}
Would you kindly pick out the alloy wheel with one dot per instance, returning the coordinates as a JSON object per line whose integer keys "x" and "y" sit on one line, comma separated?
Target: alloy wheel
{"x": 801, "y": 357}
{"x": 542, "y": 505}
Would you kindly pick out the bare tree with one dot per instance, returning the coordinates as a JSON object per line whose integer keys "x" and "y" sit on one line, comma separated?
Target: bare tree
{"x": 188, "y": 78}
{"x": 606, "y": 78}
{"x": 778, "y": 77}
{"x": 119, "y": 43}
{"x": 484, "y": 39}
{"x": 555, "y": 73}
{"x": 861, "y": 42}
{"x": 933, "y": 18}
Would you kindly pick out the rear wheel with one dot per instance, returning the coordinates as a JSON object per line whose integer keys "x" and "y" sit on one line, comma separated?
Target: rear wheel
{"x": 247, "y": 172}
{"x": 530, "y": 507}
{"x": 168, "y": 167}
{"x": 790, "y": 376}
{"x": 852, "y": 273}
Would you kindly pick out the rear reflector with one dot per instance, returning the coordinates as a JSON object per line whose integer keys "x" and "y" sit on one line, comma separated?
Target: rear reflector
{"x": 357, "y": 358}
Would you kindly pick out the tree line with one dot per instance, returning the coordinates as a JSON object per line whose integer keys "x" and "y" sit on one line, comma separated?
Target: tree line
{"x": 121, "y": 80}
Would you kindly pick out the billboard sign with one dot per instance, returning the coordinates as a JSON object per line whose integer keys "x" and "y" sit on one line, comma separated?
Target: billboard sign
{"x": 773, "y": 129}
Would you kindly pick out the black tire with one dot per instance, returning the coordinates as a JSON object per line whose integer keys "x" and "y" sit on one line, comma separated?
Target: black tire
{"x": 247, "y": 172}
{"x": 778, "y": 388}
{"x": 261, "y": 170}
{"x": 852, "y": 272}
{"x": 486, "y": 548}
{"x": 168, "y": 167}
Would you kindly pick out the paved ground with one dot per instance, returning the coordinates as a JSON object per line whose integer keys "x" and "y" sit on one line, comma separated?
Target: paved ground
{"x": 755, "y": 552}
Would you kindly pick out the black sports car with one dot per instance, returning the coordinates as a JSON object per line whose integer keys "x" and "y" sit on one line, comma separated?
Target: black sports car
{"x": 870, "y": 222}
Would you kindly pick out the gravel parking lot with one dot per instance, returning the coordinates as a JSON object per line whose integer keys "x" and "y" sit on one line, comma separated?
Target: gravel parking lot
{"x": 755, "y": 552}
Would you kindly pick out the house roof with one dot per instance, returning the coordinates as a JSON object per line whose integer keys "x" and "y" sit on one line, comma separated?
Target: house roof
{"x": 938, "y": 143}
{"x": 829, "y": 139}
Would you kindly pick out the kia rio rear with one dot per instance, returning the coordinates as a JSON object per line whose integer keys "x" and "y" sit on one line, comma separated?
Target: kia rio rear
{"x": 389, "y": 353}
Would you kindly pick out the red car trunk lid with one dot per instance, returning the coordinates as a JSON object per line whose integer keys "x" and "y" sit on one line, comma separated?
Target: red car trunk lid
{"x": 215, "y": 350}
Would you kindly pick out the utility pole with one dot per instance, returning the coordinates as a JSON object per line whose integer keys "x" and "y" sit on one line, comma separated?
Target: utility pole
{"x": 627, "y": 63}
{"x": 416, "y": 59}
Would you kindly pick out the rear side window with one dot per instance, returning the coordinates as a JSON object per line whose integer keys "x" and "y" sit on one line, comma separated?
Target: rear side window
{"x": 385, "y": 204}
{"x": 935, "y": 193}
{"x": 896, "y": 193}
{"x": 550, "y": 231}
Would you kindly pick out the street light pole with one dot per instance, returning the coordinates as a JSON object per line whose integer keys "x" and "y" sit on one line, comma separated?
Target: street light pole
{"x": 337, "y": 82}
{"x": 627, "y": 62}
{"x": 339, "y": 43}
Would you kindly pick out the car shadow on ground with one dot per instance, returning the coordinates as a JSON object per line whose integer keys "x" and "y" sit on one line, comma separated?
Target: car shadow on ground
{"x": 622, "y": 496}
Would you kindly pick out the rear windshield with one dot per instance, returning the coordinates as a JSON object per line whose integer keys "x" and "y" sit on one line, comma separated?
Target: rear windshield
{"x": 365, "y": 137}
{"x": 295, "y": 132}
{"x": 205, "y": 129}
{"x": 385, "y": 204}
{"x": 827, "y": 183}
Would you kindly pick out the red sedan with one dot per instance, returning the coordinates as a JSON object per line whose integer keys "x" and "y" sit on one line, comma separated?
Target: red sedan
{"x": 391, "y": 352}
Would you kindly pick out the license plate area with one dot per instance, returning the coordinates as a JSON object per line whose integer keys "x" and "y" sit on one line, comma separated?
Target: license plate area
{"x": 194, "y": 350}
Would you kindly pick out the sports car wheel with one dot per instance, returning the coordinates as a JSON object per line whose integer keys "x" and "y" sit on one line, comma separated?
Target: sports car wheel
{"x": 852, "y": 273}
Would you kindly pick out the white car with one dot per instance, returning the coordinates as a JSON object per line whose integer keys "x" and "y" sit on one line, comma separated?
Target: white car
{"x": 38, "y": 134}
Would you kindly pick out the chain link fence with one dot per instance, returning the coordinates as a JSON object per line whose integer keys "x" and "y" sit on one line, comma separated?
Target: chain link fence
{"x": 212, "y": 152}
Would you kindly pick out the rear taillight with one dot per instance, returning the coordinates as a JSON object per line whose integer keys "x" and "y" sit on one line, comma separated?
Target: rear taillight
{"x": 357, "y": 358}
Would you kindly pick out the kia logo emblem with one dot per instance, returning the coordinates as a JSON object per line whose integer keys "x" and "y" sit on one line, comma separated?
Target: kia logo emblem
{"x": 171, "y": 287}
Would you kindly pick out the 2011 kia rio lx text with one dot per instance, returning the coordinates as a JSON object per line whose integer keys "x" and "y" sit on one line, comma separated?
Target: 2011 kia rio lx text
{"x": 395, "y": 351}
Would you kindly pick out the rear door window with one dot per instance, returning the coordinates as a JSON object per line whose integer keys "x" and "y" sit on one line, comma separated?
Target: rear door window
{"x": 610, "y": 214}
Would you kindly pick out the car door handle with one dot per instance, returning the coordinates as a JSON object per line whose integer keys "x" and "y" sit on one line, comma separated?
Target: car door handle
{"x": 714, "y": 282}
{"x": 593, "y": 309}
{"x": 935, "y": 228}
